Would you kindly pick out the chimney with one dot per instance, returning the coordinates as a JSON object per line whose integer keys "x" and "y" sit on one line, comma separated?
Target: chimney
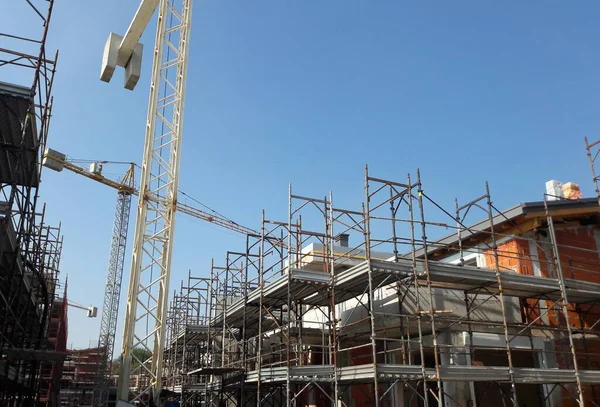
{"x": 571, "y": 191}
{"x": 554, "y": 190}
{"x": 343, "y": 239}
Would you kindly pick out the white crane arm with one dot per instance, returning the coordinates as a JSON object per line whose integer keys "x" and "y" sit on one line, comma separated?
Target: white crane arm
{"x": 92, "y": 312}
{"x": 136, "y": 28}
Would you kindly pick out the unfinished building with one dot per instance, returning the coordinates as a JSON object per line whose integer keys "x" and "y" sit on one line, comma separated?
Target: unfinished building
{"x": 33, "y": 324}
{"x": 79, "y": 378}
{"x": 374, "y": 306}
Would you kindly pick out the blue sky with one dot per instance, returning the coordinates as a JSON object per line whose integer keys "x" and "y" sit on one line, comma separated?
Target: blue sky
{"x": 308, "y": 92}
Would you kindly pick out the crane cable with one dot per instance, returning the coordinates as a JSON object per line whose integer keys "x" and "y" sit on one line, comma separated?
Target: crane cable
{"x": 84, "y": 161}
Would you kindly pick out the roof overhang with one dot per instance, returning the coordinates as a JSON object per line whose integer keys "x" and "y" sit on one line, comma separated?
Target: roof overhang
{"x": 517, "y": 220}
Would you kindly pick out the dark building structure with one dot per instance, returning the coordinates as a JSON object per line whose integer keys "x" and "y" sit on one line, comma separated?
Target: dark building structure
{"x": 32, "y": 317}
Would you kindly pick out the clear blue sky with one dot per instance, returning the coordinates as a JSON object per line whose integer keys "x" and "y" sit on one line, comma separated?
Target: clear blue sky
{"x": 308, "y": 92}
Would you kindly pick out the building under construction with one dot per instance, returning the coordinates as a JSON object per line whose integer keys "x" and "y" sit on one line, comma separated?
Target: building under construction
{"x": 33, "y": 319}
{"x": 80, "y": 377}
{"x": 398, "y": 302}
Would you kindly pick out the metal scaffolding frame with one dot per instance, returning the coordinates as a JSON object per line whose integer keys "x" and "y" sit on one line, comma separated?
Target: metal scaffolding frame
{"x": 497, "y": 311}
{"x": 32, "y": 367}
{"x": 187, "y": 339}
{"x": 48, "y": 250}
{"x": 29, "y": 249}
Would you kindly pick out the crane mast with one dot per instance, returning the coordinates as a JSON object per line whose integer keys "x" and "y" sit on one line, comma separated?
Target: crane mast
{"x": 112, "y": 291}
{"x": 155, "y": 223}
{"x": 153, "y": 240}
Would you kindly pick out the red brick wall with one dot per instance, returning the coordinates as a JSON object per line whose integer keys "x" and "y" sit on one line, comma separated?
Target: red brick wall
{"x": 514, "y": 255}
{"x": 579, "y": 259}
{"x": 362, "y": 394}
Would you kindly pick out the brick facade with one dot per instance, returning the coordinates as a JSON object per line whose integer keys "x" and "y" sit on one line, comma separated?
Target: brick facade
{"x": 579, "y": 260}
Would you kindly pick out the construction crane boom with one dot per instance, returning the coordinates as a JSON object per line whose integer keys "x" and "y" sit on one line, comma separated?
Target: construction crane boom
{"x": 58, "y": 161}
{"x": 217, "y": 220}
{"x": 123, "y": 186}
{"x": 92, "y": 311}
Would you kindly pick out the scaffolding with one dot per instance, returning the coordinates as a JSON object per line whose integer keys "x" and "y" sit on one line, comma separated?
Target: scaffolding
{"x": 79, "y": 376}
{"x": 29, "y": 249}
{"x": 502, "y": 311}
{"x": 32, "y": 367}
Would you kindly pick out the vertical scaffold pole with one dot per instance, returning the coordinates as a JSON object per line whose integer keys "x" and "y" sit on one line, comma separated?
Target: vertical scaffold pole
{"x": 564, "y": 302}
{"x": 371, "y": 294}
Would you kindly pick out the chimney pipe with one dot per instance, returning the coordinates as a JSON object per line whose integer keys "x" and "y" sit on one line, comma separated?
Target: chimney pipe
{"x": 343, "y": 239}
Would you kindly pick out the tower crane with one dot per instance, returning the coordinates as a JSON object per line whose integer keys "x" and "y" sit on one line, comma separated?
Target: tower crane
{"x": 112, "y": 291}
{"x": 125, "y": 189}
{"x": 148, "y": 294}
